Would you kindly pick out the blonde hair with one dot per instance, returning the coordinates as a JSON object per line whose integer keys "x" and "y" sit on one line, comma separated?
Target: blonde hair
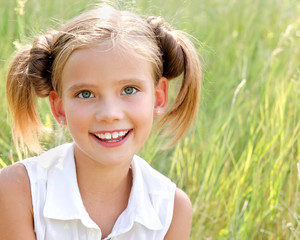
{"x": 37, "y": 69}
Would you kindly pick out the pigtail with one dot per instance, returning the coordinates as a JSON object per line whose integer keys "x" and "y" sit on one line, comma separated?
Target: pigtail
{"x": 179, "y": 57}
{"x": 28, "y": 77}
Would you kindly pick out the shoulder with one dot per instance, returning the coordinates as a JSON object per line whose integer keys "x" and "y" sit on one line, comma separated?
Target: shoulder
{"x": 14, "y": 178}
{"x": 15, "y": 203}
{"x": 182, "y": 217}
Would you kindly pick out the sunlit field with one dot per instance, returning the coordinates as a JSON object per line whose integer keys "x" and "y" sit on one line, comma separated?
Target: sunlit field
{"x": 238, "y": 162}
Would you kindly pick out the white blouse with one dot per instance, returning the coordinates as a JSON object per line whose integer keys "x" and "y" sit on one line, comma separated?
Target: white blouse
{"x": 59, "y": 212}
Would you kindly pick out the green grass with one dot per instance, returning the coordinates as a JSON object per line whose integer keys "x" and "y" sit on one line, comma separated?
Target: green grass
{"x": 238, "y": 164}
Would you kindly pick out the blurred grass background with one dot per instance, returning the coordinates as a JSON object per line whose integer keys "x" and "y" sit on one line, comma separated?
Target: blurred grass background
{"x": 238, "y": 164}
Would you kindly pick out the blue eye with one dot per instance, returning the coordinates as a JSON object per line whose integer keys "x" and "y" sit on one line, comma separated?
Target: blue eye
{"x": 85, "y": 94}
{"x": 129, "y": 90}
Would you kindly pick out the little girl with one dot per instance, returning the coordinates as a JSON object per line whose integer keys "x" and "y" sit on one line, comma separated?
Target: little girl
{"x": 106, "y": 74}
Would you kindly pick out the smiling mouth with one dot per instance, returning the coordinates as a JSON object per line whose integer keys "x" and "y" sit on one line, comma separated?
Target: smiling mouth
{"x": 111, "y": 137}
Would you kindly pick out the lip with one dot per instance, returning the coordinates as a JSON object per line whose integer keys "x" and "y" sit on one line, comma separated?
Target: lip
{"x": 112, "y": 144}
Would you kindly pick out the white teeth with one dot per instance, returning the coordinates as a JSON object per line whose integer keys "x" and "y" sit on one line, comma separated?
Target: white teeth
{"x": 107, "y": 135}
{"x": 113, "y": 135}
{"x": 121, "y": 134}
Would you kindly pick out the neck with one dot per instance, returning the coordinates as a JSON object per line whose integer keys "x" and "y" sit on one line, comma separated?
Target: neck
{"x": 104, "y": 190}
{"x": 102, "y": 183}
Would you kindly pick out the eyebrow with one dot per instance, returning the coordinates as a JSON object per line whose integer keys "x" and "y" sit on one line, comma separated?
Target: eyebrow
{"x": 133, "y": 81}
{"x": 80, "y": 86}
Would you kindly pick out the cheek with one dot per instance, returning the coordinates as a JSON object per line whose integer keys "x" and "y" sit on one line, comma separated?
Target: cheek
{"x": 143, "y": 111}
{"x": 75, "y": 113}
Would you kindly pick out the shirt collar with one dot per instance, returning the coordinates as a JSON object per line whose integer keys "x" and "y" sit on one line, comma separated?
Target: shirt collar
{"x": 140, "y": 209}
{"x": 63, "y": 201}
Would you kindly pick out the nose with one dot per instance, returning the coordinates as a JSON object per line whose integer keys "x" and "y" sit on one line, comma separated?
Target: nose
{"x": 109, "y": 110}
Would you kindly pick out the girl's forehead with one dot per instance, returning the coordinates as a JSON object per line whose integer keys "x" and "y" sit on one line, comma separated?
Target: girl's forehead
{"x": 109, "y": 52}
{"x": 107, "y": 62}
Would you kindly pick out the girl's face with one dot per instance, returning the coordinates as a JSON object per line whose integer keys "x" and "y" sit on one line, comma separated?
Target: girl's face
{"x": 108, "y": 102}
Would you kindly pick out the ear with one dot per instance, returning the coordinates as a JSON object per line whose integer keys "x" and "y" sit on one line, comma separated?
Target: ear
{"x": 161, "y": 96}
{"x": 57, "y": 108}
